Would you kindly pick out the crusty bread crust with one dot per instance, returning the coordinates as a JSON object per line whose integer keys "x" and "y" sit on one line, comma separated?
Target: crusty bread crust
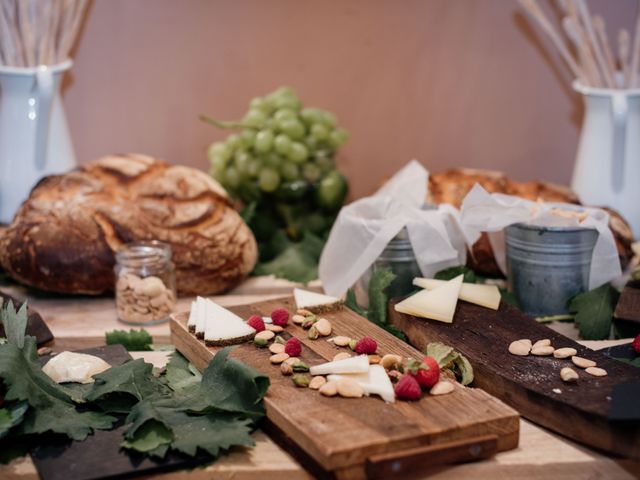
{"x": 64, "y": 237}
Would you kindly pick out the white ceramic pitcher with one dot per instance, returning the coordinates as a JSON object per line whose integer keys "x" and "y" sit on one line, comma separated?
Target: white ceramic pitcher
{"x": 34, "y": 137}
{"x": 607, "y": 170}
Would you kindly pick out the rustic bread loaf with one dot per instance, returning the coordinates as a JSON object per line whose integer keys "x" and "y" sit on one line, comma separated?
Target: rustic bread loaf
{"x": 451, "y": 186}
{"x": 64, "y": 237}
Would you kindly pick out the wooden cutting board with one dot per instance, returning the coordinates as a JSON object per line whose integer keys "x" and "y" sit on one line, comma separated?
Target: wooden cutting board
{"x": 531, "y": 384}
{"x": 363, "y": 438}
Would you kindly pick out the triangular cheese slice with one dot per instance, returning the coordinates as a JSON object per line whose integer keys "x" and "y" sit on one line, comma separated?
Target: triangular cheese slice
{"x": 359, "y": 364}
{"x": 437, "y": 304}
{"x": 223, "y": 327}
{"x": 191, "y": 323}
{"x": 200, "y": 316}
{"x": 479, "y": 294}
{"x": 315, "y": 302}
{"x": 374, "y": 382}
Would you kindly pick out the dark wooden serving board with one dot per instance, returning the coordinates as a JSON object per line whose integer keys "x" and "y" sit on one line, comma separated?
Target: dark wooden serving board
{"x": 35, "y": 324}
{"x": 579, "y": 412}
{"x": 355, "y": 438}
{"x": 100, "y": 455}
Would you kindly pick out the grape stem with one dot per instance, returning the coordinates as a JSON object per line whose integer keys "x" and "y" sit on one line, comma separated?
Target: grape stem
{"x": 223, "y": 124}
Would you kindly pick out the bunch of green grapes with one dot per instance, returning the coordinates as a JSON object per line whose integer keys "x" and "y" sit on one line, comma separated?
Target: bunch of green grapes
{"x": 281, "y": 149}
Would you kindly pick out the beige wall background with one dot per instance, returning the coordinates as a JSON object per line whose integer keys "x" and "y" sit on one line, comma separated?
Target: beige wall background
{"x": 449, "y": 82}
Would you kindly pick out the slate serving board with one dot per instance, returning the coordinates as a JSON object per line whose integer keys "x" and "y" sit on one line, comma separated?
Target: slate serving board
{"x": 531, "y": 384}
{"x": 100, "y": 455}
{"x": 36, "y": 326}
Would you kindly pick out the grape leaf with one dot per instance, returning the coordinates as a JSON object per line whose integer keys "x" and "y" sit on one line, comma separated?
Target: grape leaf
{"x": 15, "y": 323}
{"x": 594, "y": 311}
{"x": 450, "y": 359}
{"x": 133, "y": 340}
{"x": 212, "y": 433}
{"x": 149, "y": 437}
{"x": 181, "y": 376}
{"x": 11, "y": 415}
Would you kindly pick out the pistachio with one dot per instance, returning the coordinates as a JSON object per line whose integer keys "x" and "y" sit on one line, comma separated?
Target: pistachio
{"x": 391, "y": 361}
{"x": 349, "y": 388}
{"x": 313, "y": 333}
{"x": 374, "y": 359}
{"x": 279, "y": 339}
{"x": 309, "y": 321}
{"x": 568, "y": 374}
{"x": 542, "y": 351}
{"x": 329, "y": 389}
{"x": 304, "y": 312}
{"x": 352, "y": 344}
{"x": 520, "y": 347}
{"x": 300, "y": 366}
{"x": 582, "y": 362}
{"x": 341, "y": 341}
{"x": 297, "y": 319}
{"x": 276, "y": 348}
{"x": 260, "y": 342}
{"x": 565, "y": 352}
{"x": 265, "y": 335}
{"x": 442, "y": 388}
{"x": 278, "y": 358}
{"x": 273, "y": 328}
{"x": 300, "y": 380}
{"x": 291, "y": 361}
{"x": 286, "y": 368}
{"x": 341, "y": 356}
{"x": 542, "y": 343}
{"x": 596, "y": 372}
{"x": 317, "y": 382}
{"x": 323, "y": 326}
{"x": 394, "y": 375}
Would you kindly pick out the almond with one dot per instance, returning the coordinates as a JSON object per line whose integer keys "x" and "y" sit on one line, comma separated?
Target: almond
{"x": 278, "y": 358}
{"x": 276, "y": 348}
{"x": 323, "y": 326}
{"x": 596, "y": 372}
{"x": 568, "y": 374}
{"x": 442, "y": 388}
{"x": 341, "y": 341}
{"x": 582, "y": 362}
{"x": 565, "y": 352}
{"x": 542, "y": 350}
{"x": 297, "y": 319}
{"x": 542, "y": 343}
{"x": 317, "y": 382}
{"x": 264, "y": 335}
{"x": 329, "y": 389}
{"x": 390, "y": 361}
{"x": 273, "y": 328}
{"x": 520, "y": 347}
{"x": 349, "y": 388}
{"x": 341, "y": 356}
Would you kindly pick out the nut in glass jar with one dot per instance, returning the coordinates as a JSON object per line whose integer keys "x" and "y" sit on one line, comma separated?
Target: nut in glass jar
{"x": 145, "y": 283}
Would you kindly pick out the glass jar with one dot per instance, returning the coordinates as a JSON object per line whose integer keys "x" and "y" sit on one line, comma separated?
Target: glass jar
{"x": 145, "y": 283}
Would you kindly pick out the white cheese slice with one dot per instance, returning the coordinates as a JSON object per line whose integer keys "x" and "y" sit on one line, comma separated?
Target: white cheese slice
{"x": 191, "y": 323}
{"x": 74, "y": 367}
{"x": 223, "y": 327}
{"x": 374, "y": 382}
{"x": 315, "y": 302}
{"x": 437, "y": 304}
{"x": 359, "y": 364}
{"x": 479, "y": 294}
{"x": 200, "y": 316}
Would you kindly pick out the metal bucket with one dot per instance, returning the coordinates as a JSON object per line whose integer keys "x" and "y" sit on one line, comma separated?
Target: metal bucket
{"x": 546, "y": 266}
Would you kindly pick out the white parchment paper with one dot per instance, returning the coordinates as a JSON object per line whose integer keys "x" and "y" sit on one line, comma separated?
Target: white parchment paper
{"x": 365, "y": 227}
{"x": 485, "y": 212}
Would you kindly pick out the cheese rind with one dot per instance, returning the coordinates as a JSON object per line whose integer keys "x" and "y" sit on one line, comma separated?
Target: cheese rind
{"x": 487, "y": 296}
{"x": 315, "y": 302}
{"x": 374, "y": 382}
{"x": 437, "y": 304}
{"x": 359, "y": 364}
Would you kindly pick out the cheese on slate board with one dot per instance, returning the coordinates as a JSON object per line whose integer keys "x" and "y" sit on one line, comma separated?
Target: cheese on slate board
{"x": 315, "y": 302}
{"x": 374, "y": 382}
{"x": 479, "y": 294}
{"x": 437, "y": 304}
{"x": 74, "y": 367}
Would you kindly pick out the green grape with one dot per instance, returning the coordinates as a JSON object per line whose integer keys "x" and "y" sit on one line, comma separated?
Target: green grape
{"x": 231, "y": 178}
{"x": 282, "y": 144}
{"x": 253, "y": 168}
{"x": 264, "y": 141}
{"x": 273, "y": 160}
{"x": 311, "y": 143}
{"x": 219, "y": 149}
{"x": 241, "y": 159}
{"x": 285, "y": 113}
{"x": 319, "y": 131}
{"x": 298, "y": 152}
{"x": 338, "y": 137}
{"x": 218, "y": 163}
{"x": 325, "y": 164}
{"x": 254, "y": 118}
{"x": 259, "y": 103}
{"x": 234, "y": 141}
{"x": 311, "y": 172}
{"x": 328, "y": 118}
{"x": 331, "y": 191}
{"x": 288, "y": 102}
{"x": 247, "y": 137}
{"x": 268, "y": 180}
{"x": 311, "y": 116}
{"x": 292, "y": 127}
{"x": 289, "y": 171}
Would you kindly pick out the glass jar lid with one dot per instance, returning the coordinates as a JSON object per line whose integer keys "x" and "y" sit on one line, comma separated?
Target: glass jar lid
{"x": 138, "y": 254}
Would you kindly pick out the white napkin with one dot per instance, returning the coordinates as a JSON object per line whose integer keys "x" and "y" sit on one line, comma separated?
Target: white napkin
{"x": 365, "y": 227}
{"x": 484, "y": 212}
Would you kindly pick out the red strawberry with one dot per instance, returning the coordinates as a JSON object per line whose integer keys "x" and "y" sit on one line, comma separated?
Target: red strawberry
{"x": 426, "y": 373}
{"x": 408, "y": 388}
{"x": 280, "y": 317}
{"x": 256, "y": 323}
{"x": 293, "y": 347}
{"x": 366, "y": 346}
{"x": 636, "y": 344}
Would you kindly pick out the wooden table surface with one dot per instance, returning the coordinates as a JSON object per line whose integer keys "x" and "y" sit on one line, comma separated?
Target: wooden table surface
{"x": 81, "y": 323}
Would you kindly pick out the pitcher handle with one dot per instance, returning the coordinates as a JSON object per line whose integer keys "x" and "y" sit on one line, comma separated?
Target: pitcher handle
{"x": 44, "y": 98}
{"x": 619, "y": 110}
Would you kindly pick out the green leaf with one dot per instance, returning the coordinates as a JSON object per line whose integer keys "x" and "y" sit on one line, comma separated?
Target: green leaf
{"x": 509, "y": 298}
{"x": 149, "y": 437}
{"x": 452, "y": 272}
{"x": 635, "y": 362}
{"x": 15, "y": 323}
{"x": 463, "y": 370}
{"x": 351, "y": 302}
{"x": 181, "y": 376}
{"x": 133, "y": 340}
{"x": 594, "y": 311}
{"x": 381, "y": 278}
{"x": 440, "y": 352}
{"x": 11, "y": 415}
{"x": 450, "y": 359}
{"x": 249, "y": 212}
{"x": 298, "y": 261}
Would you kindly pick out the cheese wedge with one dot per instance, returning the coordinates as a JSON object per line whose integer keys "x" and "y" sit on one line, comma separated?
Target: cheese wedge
{"x": 191, "y": 323}
{"x": 315, "y": 302}
{"x": 437, "y": 304}
{"x": 223, "y": 327}
{"x": 359, "y": 364}
{"x": 374, "y": 382}
{"x": 200, "y": 316}
{"x": 484, "y": 295}
{"x": 74, "y": 367}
